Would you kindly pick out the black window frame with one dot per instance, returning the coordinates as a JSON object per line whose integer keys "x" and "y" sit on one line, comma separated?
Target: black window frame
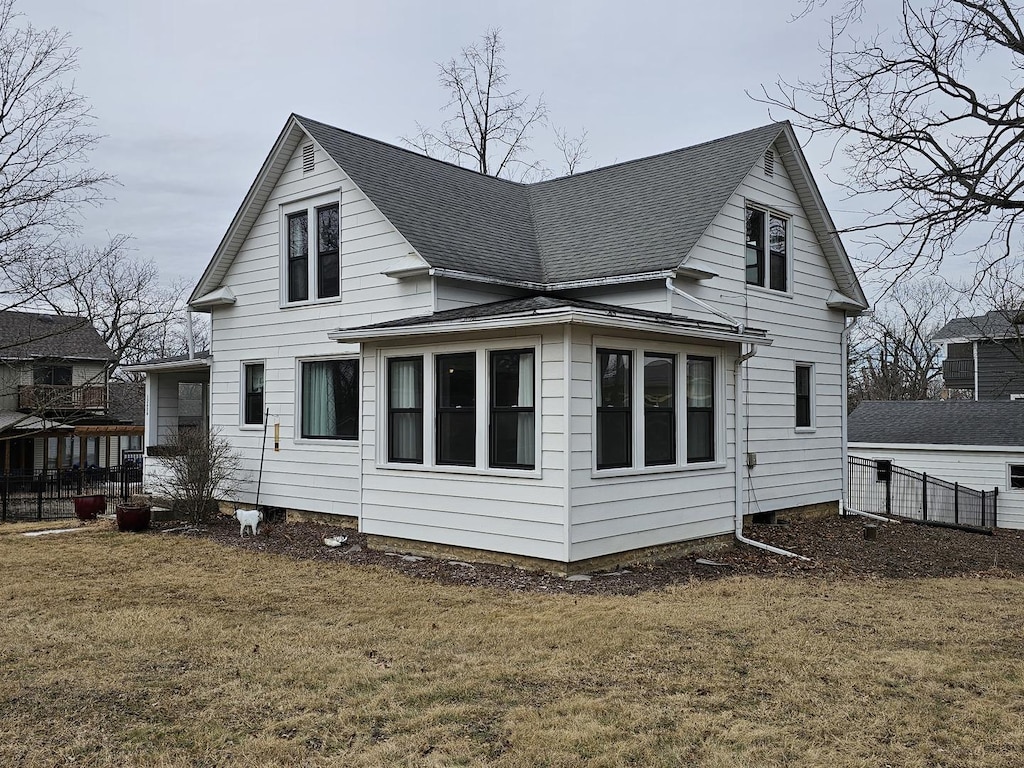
{"x": 709, "y": 411}
{"x": 250, "y": 398}
{"x": 392, "y": 411}
{"x": 609, "y": 412}
{"x": 765, "y": 265}
{"x": 353, "y": 414}
{"x": 1010, "y": 476}
{"x": 653, "y": 413}
{"x": 444, "y": 415}
{"x": 53, "y": 375}
{"x": 328, "y": 258}
{"x": 804, "y": 399}
{"x": 496, "y": 411}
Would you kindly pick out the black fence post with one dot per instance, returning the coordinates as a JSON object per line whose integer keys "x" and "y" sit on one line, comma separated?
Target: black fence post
{"x": 956, "y": 503}
{"x": 995, "y": 507}
{"x": 888, "y": 492}
{"x": 5, "y": 491}
{"x": 924, "y": 495}
{"x": 982, "y": 509}
{"x": 41, "y": 481}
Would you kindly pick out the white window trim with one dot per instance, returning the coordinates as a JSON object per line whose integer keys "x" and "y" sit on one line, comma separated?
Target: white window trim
{"x": 1008, "y": 466}
{"x": 310, "y": 205}
{"x": 483, "y": 408}
{"x": 637, "y": 347}
{"x": 241, "y": 394}
{"x": 333, "y": 443}
{"x": 769, "y": 211}
{"x": 813, "y": 394}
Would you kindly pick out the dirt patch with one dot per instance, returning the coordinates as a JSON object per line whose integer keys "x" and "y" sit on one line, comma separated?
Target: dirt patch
{"x": 836, "y": 546}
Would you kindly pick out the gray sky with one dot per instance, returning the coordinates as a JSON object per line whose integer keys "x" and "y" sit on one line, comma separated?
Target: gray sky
{"x": 191, "y": 95}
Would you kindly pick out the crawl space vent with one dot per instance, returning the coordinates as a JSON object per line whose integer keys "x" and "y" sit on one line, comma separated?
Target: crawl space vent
{"x": 769, "y": 163}
{"x": 308, "y": 162}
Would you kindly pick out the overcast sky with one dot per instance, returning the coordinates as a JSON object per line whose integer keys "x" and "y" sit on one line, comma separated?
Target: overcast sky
{"x": 190, "y": 95}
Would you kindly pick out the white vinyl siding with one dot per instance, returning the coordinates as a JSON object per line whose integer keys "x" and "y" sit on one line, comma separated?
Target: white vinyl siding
{"x": 309, "y": 475}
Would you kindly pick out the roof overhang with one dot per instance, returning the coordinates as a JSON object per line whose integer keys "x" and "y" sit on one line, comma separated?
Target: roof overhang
{"x": 947, "y": 447}
{"x": 179, "y": 366}
{"x": 567, "y": 285}
{"x": 837, "y": 300}
{"x": 221, "y": 297}
{"x": 558, "y": 316}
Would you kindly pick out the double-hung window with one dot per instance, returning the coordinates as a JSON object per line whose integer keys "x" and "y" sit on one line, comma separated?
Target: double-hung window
{"x": 659, "y": 409}
{"x": 614, "y": 408}
{"x": 804, "y": 396}
{"x": 700, "y": 409}
{"x": 252, "y": 407}
{"x": 456, "y": 409}
{"x": 405, "y": 410}
{"x": 512, "y": 411}
{"x": 313, "y": 252}
{"x": 767, "y": 249}
{"x": 330, "y": 399}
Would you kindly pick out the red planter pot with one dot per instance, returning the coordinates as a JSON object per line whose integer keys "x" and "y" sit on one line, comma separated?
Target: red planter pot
{"x": 133, "y": 518}
{"x": 87, "y": 507}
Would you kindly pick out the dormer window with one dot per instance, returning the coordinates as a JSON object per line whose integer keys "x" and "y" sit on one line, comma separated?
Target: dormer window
{"x": 312, "y": 249}
{"x": 767, "y": 249}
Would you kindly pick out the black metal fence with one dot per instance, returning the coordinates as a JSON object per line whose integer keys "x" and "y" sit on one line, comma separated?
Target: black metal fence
{"x": 49, "y": 495}
{"x": 881, "y": 487}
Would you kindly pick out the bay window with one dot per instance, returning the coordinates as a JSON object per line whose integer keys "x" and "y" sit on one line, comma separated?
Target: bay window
{"x": 330, "y": 399}
{"x": 512, "y": 409}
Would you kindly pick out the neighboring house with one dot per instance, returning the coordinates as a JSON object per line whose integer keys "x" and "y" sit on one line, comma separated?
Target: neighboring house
{"x": 984, "y": 355}
{"x": 558, "y": 371}
{"x": 977, "y": 444}
{"x": 55, "y": 409}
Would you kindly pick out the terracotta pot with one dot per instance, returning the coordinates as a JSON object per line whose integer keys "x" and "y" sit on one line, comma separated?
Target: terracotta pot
{"x": 87, "y": 507}
{"x": 132, "y": 517}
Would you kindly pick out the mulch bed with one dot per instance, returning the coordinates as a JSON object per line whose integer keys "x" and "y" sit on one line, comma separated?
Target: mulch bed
{"x": 836, "y": 548}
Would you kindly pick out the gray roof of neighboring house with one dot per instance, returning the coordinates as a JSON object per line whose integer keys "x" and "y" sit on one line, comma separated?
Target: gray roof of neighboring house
{"x": 126, "y": 401}
{"x": 939, "y": 422}
{"x": 635, "y": 217}
{"x": 30, "y": 335}
{"x": 997, "y": 324}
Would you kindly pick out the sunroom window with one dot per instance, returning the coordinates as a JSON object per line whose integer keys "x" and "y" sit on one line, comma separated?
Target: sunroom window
{"x": 405, "y": 409}
{"x": 659, "y": 409}
{"x": 512, "y": 409}
{"x": 456, "y": 409}
{"x": 330, "y": 399}
{"x": 700, "y": 409}
{"x": 614, "y": 409}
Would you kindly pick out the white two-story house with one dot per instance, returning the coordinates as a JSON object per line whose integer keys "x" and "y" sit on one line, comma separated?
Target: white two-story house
{"x": 599, "y": 365}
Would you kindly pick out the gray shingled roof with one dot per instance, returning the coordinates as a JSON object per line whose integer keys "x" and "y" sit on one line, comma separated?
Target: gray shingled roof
{"x": 28, "y": 335}
{"x": 940, "y": 422}
{"x": 997, "y": 324}
{"x": 635, "y": 217}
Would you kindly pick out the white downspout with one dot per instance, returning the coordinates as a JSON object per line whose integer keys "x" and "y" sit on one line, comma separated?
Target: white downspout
{"x": 740, "y": 453}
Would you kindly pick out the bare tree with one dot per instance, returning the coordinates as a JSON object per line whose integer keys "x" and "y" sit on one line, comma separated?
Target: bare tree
{"x": 491, "y": 124}
{"x": 200, "y": 469}
{"x": 573, "y": 149}
{"x": 45, "y": 138}
{"x": 892, "y": 356}
{"x": 120, "y": 294}
{"x": 925, "y": 126}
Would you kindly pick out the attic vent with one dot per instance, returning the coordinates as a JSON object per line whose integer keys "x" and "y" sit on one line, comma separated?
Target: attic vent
{"x": 308, "y": 162}
{"x": 769, "y": 163}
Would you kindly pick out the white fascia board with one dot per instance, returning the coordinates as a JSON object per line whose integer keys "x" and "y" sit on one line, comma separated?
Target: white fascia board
{"x": 695, "y": 271}
{"x": 530, "y": 285}
{"x": 945, "y": 447}
{"x": 837, "y": 300}
{"x": 547, "y": 317}
{"x": 196, "y": 364}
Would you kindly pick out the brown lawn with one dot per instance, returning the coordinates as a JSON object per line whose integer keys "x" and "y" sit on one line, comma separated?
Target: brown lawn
{"x": 157, "y": 650}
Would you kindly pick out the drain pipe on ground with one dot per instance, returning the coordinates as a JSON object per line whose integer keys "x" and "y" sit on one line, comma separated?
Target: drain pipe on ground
{"x": 741, "y": 453}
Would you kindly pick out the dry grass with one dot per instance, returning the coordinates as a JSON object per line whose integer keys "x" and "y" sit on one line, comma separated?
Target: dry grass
{"x": 154, "y": 650}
